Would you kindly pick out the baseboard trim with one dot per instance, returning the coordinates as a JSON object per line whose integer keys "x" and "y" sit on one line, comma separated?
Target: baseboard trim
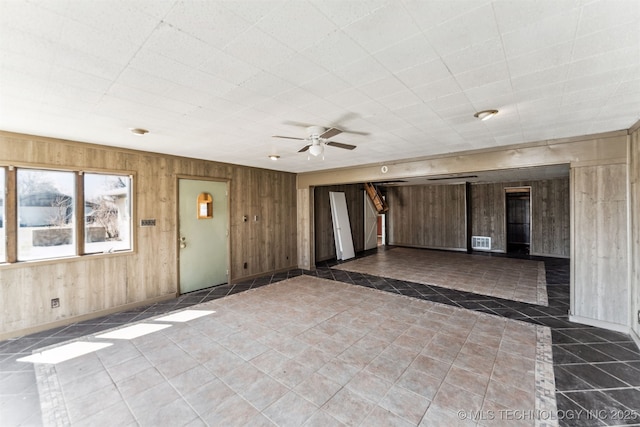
{"x": 68, "y": 321}
{"x": 257, "y": 275}
{"x": 600, "y": 324}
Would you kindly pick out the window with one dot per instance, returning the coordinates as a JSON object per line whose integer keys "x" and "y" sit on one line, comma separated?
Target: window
{"x": 49, "y": 214}
{"x": 107, "y": 213}
{"x": 46, "y": 214}
{"x": 3, "y": 242}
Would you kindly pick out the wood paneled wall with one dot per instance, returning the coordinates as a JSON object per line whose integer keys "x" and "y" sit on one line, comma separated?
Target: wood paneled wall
{"x": 550, "y": 216}
{"x": 634, "y": 210}
{"x": 600, "y": 288}
{"x": 325, "y": 244}
{"x": 427, "y": 216}
{"x": 95, "y": 284}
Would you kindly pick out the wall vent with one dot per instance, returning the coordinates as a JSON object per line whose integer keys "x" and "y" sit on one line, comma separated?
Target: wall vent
{"x": 151, "y": 222}
{"x": 481, "y": 243}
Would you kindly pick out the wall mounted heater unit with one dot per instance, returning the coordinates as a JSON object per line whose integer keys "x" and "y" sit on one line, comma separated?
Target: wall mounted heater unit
{"x": 481, "y": 243}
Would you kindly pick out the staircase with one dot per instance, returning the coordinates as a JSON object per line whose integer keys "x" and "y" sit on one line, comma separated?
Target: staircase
{"x": 376, "y": 198}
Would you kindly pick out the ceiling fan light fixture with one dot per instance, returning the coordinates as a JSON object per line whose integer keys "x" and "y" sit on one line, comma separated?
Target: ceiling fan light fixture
{"x": 316, "y": 149}
{"x": 485, "y": 114}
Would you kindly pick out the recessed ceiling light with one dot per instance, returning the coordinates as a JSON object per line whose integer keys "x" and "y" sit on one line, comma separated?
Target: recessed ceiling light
{"x": 274, "y": 157}
{"x": 485, "y": 114}
{"x": 139, "y": 131}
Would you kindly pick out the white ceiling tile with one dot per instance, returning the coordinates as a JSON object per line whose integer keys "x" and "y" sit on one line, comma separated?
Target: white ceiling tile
{"x": 253, "y": 11}
{"x": 209, "y": 21}
{"x": 515, "y": 15}
{"x": 429, "y": 14}
{"x": 343, "y": 13}
{"x": 370, "y": 108}
{"x": 406, "y": 54}
{"x": 266, "y": 84}
{"x": 83, "y": 38}
{"x": 244, "y": 96}
{"x": 325, "y": 85}
{"x": 298, "y": 69}
{"x": 347, "y": 98}
{"x": 594, "y": 81}
{"x": 599, "y": 64}
{"x": 474, "y": 27}
{"x": 599, "y": 15}
{"x": 182, "y": 47}
{"x": 483, "y": 76}
{"x": 65, "y": 77}
{"x": 496, "y": 93}
{"x": 321, "y": 108}
{"x": 129, "y": 21}
{"x": 476, "y": 56}
{"x": 297, "y": 24}
{"x": 538, "y": 79}
{"x": 548, "y": 57}
{"x": 296, "y": 97}
{"x": 361, "y": 72}
{"x": 335, "y": 51}
{"x": 382, "y": 87}
{"x": 619, "y": 37}
{"x": 259, "y": 49}
{"x": 424, "y": 73}
{"x": 420, "y": 112}
{"x": 569, "y": 68}
{"x": 147, "y": 98}
{"x": 368, "y": 33}
{"x": 26, "y": 44}
{"x": 542, "y": 34}
{"x": 400, "y": 99}
{"x": 444, "y": 104}
{"x": 228, "y": 68}
{"x": 437, "y": 89}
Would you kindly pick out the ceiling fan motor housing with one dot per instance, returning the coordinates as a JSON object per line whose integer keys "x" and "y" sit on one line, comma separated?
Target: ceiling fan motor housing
{"x": 314, "y": 132}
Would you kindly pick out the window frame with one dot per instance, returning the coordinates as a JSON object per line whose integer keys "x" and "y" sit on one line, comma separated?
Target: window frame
{"x": 82, "y": 223}
{"x": 11, "y": 214}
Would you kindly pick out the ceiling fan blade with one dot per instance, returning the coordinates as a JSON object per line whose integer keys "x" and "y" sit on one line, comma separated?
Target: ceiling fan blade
{"x": 305, "y": 148}
{"x": 354, "y": 132}
{"x": 297, "y": 124}
{"x": 330, "y": 133}
{"x": 341, "y": 145}
{"x": 287, "y": 137}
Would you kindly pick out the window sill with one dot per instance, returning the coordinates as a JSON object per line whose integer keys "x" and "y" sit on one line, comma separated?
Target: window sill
{"x": 74, "y": 258}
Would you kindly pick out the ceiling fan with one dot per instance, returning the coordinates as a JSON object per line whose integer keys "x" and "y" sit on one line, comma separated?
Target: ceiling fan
{"x": 317, "y": 138}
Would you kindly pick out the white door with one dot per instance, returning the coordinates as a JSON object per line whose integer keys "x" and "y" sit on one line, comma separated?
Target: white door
{"x": 370, "y": 223}
{"x": 203, "y": 242}
{"x": 341, "y": 226}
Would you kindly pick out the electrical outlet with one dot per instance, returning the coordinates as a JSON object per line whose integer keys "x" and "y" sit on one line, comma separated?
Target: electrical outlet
{"x": 638, "y": 316}
{"x": 55, "y": 302}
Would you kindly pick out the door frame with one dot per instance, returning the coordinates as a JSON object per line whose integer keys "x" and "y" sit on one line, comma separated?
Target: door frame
{"x": 176, "y": 231}
{"x": 517, "y": 189}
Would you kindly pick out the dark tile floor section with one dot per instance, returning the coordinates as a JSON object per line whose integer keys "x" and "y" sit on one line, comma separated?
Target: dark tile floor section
{"x": 597, "y": 371}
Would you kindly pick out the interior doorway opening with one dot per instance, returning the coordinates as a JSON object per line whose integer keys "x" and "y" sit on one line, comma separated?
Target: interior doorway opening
{"x": 518, "y": 219}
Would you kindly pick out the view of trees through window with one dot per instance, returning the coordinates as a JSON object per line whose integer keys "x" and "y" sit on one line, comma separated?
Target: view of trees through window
{"x": 46, "y": 226}
{"x": 106, "y": 212}
{"x": 47, "y": 219}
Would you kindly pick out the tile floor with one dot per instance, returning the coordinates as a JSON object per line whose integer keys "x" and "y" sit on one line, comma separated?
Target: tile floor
{"x": 594, "y": 369}
{"x": 306, "y": 351}
{"x": 507, "y": 278}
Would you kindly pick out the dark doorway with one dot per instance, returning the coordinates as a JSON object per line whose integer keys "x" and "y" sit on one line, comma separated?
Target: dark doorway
{"x": 518, "y": 205}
